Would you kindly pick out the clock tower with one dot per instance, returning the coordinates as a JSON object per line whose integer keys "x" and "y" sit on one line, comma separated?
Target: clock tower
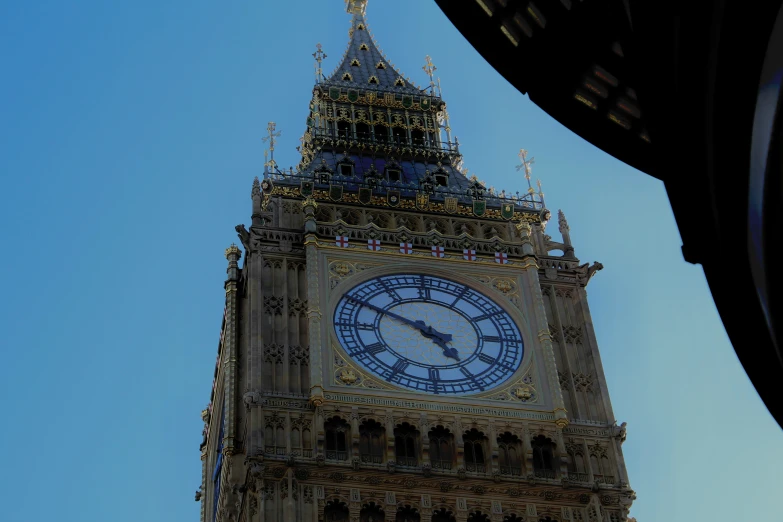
{"x": 400, "y": 343}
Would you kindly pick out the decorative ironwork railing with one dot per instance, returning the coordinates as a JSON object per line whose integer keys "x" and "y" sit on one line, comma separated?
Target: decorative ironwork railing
{"x": 336, "y": 455}
{"x": 514, "y": 471}
{"x": 441, "y": 464}
{"x": 372, "y": 459}
{"x": 414, "y": 143}
{"x": 476, "y": 468}
{"x": 408, "y": 462}
{"x": 604, "y": 479}
{"x": 578, "y": 477}
{"x": 544, "y": 473}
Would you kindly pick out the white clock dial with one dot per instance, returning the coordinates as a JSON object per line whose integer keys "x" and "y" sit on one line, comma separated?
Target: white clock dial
{"x": 428, "y": 334}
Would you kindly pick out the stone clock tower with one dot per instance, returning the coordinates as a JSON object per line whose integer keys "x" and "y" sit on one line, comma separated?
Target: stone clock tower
{"x": 400, "y": 343}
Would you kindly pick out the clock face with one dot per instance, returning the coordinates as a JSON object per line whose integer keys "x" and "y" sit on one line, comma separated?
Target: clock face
{"x": 428, "y": 334}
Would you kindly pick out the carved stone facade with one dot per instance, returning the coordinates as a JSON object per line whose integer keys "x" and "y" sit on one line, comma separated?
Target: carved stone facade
{"x": 296, "y": 430}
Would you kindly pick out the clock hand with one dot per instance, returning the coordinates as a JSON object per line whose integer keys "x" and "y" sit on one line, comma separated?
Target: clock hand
{"x": 447, "y": 350}
{"x": 426, "y": 330}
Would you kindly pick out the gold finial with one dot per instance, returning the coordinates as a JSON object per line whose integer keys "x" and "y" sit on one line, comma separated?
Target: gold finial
{"x": 429, "y": 68}
{"x": 526, "y": 167}
{"x": 356, "y": 6}
{"x": 319, "y": 56}
{"x": 233, "y": 249}
{"x": 270, "y": 129}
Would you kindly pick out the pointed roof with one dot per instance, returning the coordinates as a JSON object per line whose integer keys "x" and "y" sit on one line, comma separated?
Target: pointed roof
{"x": 363, "y": 61}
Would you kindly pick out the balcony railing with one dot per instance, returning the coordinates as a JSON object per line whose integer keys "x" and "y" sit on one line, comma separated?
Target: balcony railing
{"x": 385, "y": 140}
{"x": 372, "y": 459}
{"x": 578, "y": 477}
{"x": 511, "y": 470}
{"x": 476, "y": 468}
{"x": 408, "y": 462}
{"x": 604, "y": 479}
{"x": 336, "y": 455}
{"x": 275, "y": 450}
{"x": 544, "y": 473}
{"x": 441, "y": 464}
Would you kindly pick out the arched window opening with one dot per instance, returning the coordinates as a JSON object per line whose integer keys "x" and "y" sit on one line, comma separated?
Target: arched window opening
{"x": 543, "y": 457}
{"x": 363, "y": 131}
{"x": 373, "y": 80}
{"x": 442, "y": 515}
{"x": 406, "y": 441}
{"x": 354, "y": 63}
{"x": 441, "y": 448}
{"x": 576, "y": 465}
{"x": 371, "y": 513}
{"x": 393, "y": 174}
{"x": 400, "y": 135}
{"x": 381, "y": 133}
{"x": 512, "y": 518}
{"x": 478, "y": 516}
{"x": 337, "y": 436}
{"x": 335, "y": 511}
{"x": 399, "y": 82}
{"x": 372, "y": 442}
{"x": 380, "y": 65}
{"x": 364, "y": 47}
{"x": 407, "y": 514}
{"x": 343, "y": 129}
{"x": 417, "y": 136}
{"x": 510, "y": 454}
{"x": 347, "y": 77}
{"x": 475, "y": 449}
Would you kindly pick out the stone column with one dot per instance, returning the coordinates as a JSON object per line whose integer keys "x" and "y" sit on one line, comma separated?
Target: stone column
{"x": 530, "y": 268}
{"x": 230, "y": 346}
{"x": 313, "y": 304}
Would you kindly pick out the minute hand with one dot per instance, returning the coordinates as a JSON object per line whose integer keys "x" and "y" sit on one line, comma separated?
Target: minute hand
{"x": 420, "y": 325}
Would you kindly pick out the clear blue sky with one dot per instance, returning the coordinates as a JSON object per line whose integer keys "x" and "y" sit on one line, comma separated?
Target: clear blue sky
{"x": 130, "y": 133}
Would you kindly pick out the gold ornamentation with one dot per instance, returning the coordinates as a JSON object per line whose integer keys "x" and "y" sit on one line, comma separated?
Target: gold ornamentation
{"x": 348, "y": 376}
{"x": 233, "y": 249}
{"x": 503, "y": 285}
{"x": 342, "y": 269}
{"x": 523, "y": 393}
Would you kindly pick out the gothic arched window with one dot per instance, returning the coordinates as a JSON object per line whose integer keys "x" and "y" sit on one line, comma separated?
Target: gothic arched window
{"x": 337, "y": 437}
{"x": 475, "y": 449}
{"x": 441, "y": 448}
{"x": 442, "y": 515}
{"x": 510, "y": 454}
{"x": 543, "y": 457}
{"x": 576, "y": 463}
{"x": 406, "y": 441}
{"x": 335, "y": 511}
{"x": 372, "y": 442}
{"x": 407, "y": 514}
{"x": 371, "y": 513}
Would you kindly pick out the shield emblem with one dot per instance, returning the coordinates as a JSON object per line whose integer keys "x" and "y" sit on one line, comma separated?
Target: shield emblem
{"x": 306, "y": 188}
{"x": 388, "y": 98}
{"x": 422, "y": 200}
{"x": 507, "y": 210}
{"x": 479, "y": 207}
{"x": 365, "y": 195}
{"x": 353, "y": 96}
{"x": 267, "y": 186}
{"x": 425, "y": 103}
{"x": 450, "y": 204}
{"x": 393, "y": 198}
{"x": 407, "y": 101}
{"x": 370, "y": 97}
{"x": 334, "y": 93}
{"x": 335, "y": 192}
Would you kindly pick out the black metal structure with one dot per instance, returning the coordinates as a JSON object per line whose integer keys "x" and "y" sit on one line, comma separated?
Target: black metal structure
{"x": 687, "y": 92}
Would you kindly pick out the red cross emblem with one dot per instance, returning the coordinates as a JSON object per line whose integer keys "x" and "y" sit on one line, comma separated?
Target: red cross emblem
{"x": 438, "y": 251}
{"x": 342, "y": 241}
{"x": 373, "y": 244}
{"x": 406, "y": 248}
{"x": 501, "y": 258}
{"x": 470, "y": 255}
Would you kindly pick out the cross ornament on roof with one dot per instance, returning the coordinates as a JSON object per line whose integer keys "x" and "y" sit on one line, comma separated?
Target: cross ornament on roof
{"x": 270, "y": 128}
{"x": 526, "y": 166}
{"x": 429, "y": 69}
{"x": 319, "y": 56}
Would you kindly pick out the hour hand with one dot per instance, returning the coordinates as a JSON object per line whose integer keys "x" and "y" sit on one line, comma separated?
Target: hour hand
{"x": 447, "y": 350}
{"x": 431, "y": 332}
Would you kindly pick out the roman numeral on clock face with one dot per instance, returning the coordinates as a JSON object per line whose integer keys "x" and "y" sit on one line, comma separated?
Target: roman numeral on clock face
{"x": 375, "y": 348}
{"x": 486, "y": 358}
{"x": 434, "y": 374}
{"x": 399, "y": 366}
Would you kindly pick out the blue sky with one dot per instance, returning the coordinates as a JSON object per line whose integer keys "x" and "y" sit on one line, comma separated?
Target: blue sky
{"x": 129, "y": 138}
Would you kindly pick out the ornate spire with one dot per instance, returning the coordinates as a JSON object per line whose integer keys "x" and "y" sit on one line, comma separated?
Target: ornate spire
{"x": 270, "y": 128}
{"x": 363, "y": 65}
{"x": 525, "y": 165}
{"x": 319, "y": 56}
